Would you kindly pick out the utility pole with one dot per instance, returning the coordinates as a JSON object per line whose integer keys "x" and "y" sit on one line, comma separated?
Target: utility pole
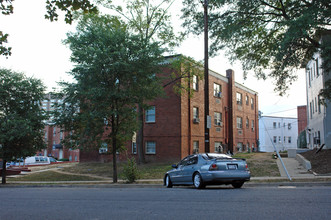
{"x": 206, "y": 73}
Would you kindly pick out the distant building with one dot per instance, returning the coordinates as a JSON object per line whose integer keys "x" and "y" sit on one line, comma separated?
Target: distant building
{"x": 318, "y": 115}
{"x": 277, "y": 132}
{"x": 53, "y": 135}
{"x": 302, "y": 118}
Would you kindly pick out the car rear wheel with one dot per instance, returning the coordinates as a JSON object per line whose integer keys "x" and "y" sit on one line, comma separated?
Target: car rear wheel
{"x": 168, "y": 182}
{"x": 197, "y": 181}
{"x": 237, "y": 185}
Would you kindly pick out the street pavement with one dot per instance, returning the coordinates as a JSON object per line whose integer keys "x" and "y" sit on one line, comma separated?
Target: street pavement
{"x": 297, "y": 174}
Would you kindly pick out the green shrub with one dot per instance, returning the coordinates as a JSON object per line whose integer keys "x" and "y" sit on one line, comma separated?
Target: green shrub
{"x": 130, "y": 170}
{"x": 63, "y": 159}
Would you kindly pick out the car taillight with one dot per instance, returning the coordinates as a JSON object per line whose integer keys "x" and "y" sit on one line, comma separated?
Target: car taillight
{"x": 213, "y": 167}
{"x": 246, "y": 166}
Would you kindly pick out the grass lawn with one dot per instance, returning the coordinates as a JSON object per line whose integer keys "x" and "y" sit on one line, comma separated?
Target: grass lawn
{"x": 260, "y": 164}
{"x": 51, "y": 176}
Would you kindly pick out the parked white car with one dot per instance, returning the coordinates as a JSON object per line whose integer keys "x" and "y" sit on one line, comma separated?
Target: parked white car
{"x": 39, "y": 160}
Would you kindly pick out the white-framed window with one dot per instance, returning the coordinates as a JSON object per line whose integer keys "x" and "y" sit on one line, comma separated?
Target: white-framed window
{"x": 195, "y": 112}
{"x": 289, "y": 140}
{"x": 289, "y": 126}
{"x": 239, "y": 98}
{"x": 275, "y": 139}
{"x": 239, "y": 122}
{"x": 218, "y": 147}
{"x": 218, "y": 118}
{"x": 195, "y": 82}
{"x": 253, "y": 125}
{"x": 150, "y": 147}
{"x": 103, "y": 148}
{"x": 274, "y": 125}
{"x": 195, "y": 147}
{"x": 150, "y": 114}
{"x": 217, "y": 90}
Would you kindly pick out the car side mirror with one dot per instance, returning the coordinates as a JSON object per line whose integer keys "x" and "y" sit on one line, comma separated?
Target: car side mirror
{"x": 174, "y": 166}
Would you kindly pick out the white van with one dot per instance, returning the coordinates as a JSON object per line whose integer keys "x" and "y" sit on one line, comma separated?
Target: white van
{"x": 38, "y": 160}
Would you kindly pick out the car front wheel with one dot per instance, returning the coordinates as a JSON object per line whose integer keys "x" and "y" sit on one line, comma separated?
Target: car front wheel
{"x": 197, "y": 181}
{"x": 168, "y": 182}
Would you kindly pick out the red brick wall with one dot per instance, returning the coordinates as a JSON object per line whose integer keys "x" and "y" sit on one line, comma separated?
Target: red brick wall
{"x": 302, "y": 118}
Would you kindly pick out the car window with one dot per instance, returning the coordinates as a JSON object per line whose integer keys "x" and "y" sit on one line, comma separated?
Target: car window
{"x": 193, "y": 160}
{"x": 184, "y": 161}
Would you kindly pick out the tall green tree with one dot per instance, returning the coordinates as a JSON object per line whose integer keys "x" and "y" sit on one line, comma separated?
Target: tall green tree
{"x": 21, "y": 117}
{"x": 276, "y": 35}
{"x": 52, "y": 7}
{"x": 114, "y": 71}
{"x": 150, "y": 20}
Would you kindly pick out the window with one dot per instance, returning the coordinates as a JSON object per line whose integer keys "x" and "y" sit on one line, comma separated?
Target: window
{"x": 150, "y": 114}
{"x": 315, "y": 104}
{"x": 309, "y": 79}
{"x": 239, "y": 122}
{"x": 289, "y": 126}
{"x": 279, "y": 139}
{"x": 274, "y": 125}
{"x": 150, "y": 147}
{"x": 253, "y": 125}
{"x": 134, "y": 143}
{"x": 319, "y": 104}
{"x": 247, "y": 100}
{"x": 289, "y": 140}
{"x": 103, "y": 148}
{"x": 195, "y": 147}
{"x": 317, "y": 68}
{"x": 195, "y": 82}
{"x": 217, "y": 90}
{"x": 218, "y": 118}
{"x": 247, "y": 123}
{"x": 61, "y": 135}
{"x": 54, "y": 131}
{"x": 311, "y": 111}
{"x": 252, "y": 103}
{"x": 195, "y": 113}
{"x": 239, "y": 98}
{"x": 134, "y": 147}
{"x": 278, "y": 124}
{"x": 218, "y": 147}
{"x": 275, "y": 139}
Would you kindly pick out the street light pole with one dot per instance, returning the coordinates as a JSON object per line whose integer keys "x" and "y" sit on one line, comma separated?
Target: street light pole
{"x": 206, "y": 74}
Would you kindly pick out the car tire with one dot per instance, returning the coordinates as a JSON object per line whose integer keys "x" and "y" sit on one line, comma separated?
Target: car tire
{"x": 197, "y": 181}
{"x": 237, "y": 185}
{"x": 168, "y": 182}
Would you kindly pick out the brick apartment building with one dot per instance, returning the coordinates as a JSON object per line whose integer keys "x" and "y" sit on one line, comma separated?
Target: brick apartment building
{"x": 174, "y": 125}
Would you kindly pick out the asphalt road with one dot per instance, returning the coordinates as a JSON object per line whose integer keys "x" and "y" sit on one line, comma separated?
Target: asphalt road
{"x": 162, "y": 203}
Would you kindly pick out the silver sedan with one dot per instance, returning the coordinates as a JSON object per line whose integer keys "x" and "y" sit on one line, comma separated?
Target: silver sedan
{"x": 208, "y": 169}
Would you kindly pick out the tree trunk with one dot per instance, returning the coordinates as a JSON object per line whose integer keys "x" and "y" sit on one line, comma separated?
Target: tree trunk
{"x": 140, "y": 136}
{"x": 114, "y": 161}
{"x": 4, "y": 170}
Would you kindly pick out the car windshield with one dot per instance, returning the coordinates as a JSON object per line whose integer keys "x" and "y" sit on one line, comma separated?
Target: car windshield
{"x": 216, "y": 156}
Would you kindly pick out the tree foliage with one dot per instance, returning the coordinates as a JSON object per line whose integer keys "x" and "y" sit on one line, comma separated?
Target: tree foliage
{"x": 52, "y": 7}
{"x": 280, "y": 35}
{"x": 114, "y": 71}
{"x": 21, "y": 118}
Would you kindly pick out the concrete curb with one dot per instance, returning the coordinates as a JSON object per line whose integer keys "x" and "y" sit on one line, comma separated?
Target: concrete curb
{"x": 305, "y": 163}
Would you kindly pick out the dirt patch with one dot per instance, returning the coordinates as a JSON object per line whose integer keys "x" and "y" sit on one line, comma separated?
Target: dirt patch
{"x": 320, "y": 162}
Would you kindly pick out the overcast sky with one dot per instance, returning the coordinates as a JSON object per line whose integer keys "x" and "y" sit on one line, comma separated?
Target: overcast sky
{"x": 38, "y": 51}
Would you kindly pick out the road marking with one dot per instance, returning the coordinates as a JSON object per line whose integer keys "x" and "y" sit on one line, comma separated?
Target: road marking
{"x": 287, "y": 187}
